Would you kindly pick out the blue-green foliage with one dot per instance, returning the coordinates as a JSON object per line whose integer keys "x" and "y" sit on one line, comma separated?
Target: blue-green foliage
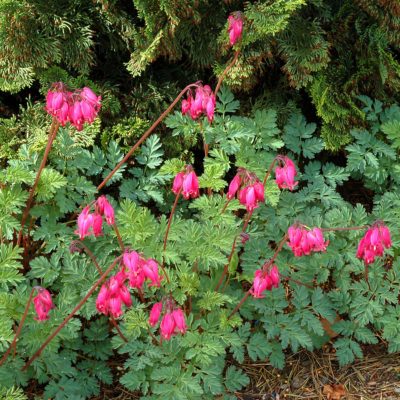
{"x": 201, "y": 236}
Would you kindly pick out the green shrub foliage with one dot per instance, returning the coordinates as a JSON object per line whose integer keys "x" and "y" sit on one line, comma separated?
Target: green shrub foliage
{"x": 204, "y": 363}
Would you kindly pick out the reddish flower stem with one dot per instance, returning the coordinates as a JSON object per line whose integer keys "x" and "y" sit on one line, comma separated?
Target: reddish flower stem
{"x": 226, "y": 70}
{"x": 145, "y": 135}
{"x": 114, "y": 322}
{"x": 121, "y": 243}
{"x": 268, "y": 173}
{"x": 89, "y": 253}
{"x": 226, "y": 267}
{"x": 72, "y": 313}
{"x": 14, "y": 342}
{"x": 52, "y": 135}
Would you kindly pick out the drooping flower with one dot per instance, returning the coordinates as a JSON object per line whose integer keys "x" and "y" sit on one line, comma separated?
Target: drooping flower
{"x": 265, "y": 279}
{"x": 134, "y": 263}
{"x": 102, "y": 300}
{"x": 85, "y": 222}
{"x": 251, "y": 195}
{"x": 235, "y": 27}
{"x": 285, "y": 174}
{"x": 274, "y": 275}
{"x": 178, "y": 182}
{"x": 261, "y": 282}
{"x": 190, "y": 186}
{"x": 315, "y": 238}
{"x": 234, "y": 187}
{"x": 97, "y": 224}
{"x": 303, "y": 241}
{"x": 112, "y": 295}
{"x": 180, "y": 320}
{"x": 375, "y": 240}
{"x": 167, "y": 326}
{"x": 150, "y": 270}
{"x": 203, "y": 103}
{"x": 76, "y": 107}
{"x": 103, "y": 207}
{"x": 155, "y": 313}
{"x": 43, "y": 304}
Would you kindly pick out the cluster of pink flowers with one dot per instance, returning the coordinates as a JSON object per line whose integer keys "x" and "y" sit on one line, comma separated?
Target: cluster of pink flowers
{"x": 373, "y": 243}
{"x": 140, "y": 269}
{"x": 235, "y": 27}
{"x": 265, "y": 280}
{"x": 75, "y": 107}
{"x": 172, "y": 322}
{"x": 285, "y": 174}
{"x": 43, "y": 304}
{"x": 250, "y": 190}
{"x": 303, "y": 241}
{"x": 202, "y": 103}
{"x": 187, "y": 182}
{"x": 112, "y": 295}
{"x": 92, "y": 223}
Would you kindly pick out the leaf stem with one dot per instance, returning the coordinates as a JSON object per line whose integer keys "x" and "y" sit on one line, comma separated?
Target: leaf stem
{"x": 72, "y": 313}
{"x": 52, "y": 135}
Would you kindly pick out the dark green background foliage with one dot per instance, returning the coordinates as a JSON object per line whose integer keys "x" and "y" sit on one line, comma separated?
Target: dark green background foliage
{"x": 312, "y": 77}
{"x": 321, "y": 54}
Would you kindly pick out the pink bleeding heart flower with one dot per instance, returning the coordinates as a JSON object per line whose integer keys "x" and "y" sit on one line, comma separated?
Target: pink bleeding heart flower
{"x": 190, "y": 185}
{"x": 303, "y": 241}
{"x": 97, "y": 224}
{"x": 274, "y": 275}
{"x": 75, "y": 115}
{"x": 115, "y": 306}
{"x": 167, "y": 326}
{"x": 102, "y": 300}
{"x": 43, "y": 304}
{"x": 134, "y": 263}
{"x": 235, "y": 27}
{"x": 150, "y": 270}
{"x": 180, "y": 320}
{"x": 89, "y": 96}
{"x": 105, "y": 208}
{"x": 186, "y": 104}
{"x": 259, "y": 191}
{"x": 284, "y": 176}
{"x": 125, "y": 296}
{"x": 248, "y": 197}
{"x": 210, "y": 108}
{"x": 178, "y": 182}
{"x": 85, "y": 222}
{"x": 375, "y": 240}
{"x": 261, "y": 283}
{"x": 316, "y": 240}
{"x": 155, "y": 313}
{"x": 234, "y": 187}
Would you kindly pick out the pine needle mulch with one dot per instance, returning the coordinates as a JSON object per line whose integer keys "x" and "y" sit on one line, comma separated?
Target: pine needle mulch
{"x": 316, "y": 375}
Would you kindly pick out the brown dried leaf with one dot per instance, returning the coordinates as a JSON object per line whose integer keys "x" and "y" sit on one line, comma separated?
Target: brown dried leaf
{"x": 334, "y": 392}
